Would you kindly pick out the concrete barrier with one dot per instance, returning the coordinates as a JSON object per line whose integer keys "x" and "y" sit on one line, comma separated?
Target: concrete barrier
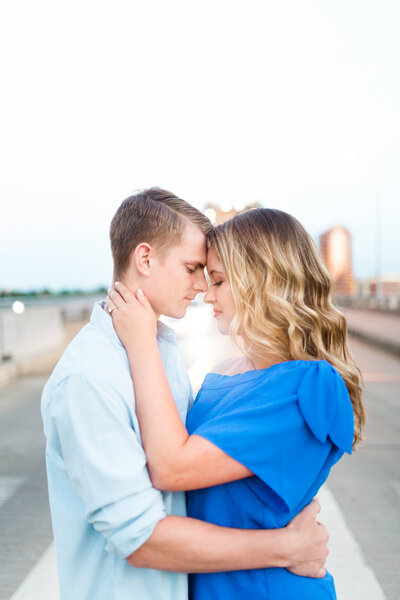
{"x": 37, "y": 330}
{"x": 32, "y": 342}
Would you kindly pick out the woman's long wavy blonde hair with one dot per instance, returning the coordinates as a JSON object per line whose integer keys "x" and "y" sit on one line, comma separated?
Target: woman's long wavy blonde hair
{"x": 283, "y": 296}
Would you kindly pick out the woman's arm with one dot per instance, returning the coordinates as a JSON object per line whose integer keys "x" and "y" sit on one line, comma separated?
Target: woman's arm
{"x": 176, "y": 461}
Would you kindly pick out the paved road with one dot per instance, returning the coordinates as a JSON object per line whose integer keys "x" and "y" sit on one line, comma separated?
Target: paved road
{"x": 25, "y": 530}
{"x": 366, "y": 486}
{"x": 375, "y": 326}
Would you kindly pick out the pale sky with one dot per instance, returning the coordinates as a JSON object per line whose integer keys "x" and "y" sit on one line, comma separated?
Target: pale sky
{"x": 293, "y": 104}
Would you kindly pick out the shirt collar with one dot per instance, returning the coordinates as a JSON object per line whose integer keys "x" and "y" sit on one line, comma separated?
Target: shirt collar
{"x": 165, "y": 332}
{"x": 101, "y": 320}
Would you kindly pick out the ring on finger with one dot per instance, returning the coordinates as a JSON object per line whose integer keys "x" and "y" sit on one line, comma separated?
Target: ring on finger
{"x": 112, "y": 308}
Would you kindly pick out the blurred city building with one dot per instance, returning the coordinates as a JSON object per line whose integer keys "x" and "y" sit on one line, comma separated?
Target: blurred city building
{"x": 386, "y": 290}
{"x": 220, "y": 213}
{"x": 335, "y": 247}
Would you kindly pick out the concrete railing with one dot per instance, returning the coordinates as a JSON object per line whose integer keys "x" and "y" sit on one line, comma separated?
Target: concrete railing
{"x": 37, "y": 330}
{"x": 387, "y": 305}
{"x": 33, "y": 340}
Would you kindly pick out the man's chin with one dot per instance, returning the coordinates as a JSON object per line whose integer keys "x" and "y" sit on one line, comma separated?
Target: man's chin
{"x": 177, "y": 314}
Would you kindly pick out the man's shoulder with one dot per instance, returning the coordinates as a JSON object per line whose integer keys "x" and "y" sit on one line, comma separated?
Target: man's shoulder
{"x": 90, "y": 355}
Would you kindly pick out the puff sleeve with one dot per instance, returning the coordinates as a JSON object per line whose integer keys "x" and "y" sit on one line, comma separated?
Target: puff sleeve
{"x": 287, "y": 425}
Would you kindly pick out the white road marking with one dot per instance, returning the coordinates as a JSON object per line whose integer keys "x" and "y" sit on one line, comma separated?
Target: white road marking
{"x": 354, "y": 578}
{"x": 396, "y": 486}
{"x": 42, "y": 581}
{"x": 8, "y": 487}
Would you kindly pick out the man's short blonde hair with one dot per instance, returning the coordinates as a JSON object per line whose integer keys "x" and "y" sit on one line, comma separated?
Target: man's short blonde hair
{"x": 155, "y": 216}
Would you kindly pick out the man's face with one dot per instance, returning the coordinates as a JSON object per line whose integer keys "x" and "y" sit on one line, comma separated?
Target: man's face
{"x": 178, "y": 275}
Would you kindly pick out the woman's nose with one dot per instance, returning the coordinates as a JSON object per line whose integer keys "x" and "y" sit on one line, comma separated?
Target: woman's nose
{"x": 201, "y": 283}
{"x": 209, "y": 295}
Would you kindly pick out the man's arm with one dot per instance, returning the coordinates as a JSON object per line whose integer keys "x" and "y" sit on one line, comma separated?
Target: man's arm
{"x": 183, "y": 544}
{"x": 107, "y": 467}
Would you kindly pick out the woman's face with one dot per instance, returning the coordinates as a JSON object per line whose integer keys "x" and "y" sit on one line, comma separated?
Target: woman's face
{"x": 219, "y": 293}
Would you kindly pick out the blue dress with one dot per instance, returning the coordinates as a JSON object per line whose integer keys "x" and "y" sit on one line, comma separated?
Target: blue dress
{"x": 288, "y": 424}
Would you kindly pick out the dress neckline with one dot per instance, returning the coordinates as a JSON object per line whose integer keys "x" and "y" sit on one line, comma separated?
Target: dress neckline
{"x": 218, "y": 379}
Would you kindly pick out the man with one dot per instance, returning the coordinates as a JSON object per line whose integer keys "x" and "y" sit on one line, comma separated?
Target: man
{"x": 117, "y": 537}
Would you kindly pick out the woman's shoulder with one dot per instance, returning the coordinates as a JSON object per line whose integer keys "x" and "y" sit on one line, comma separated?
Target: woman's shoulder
{"x": 312, "y": 388}
{"x": 237, "y": 365}
{"x": 310, "y": 397}
{"x": 298, "y": 369}
{"x": 325, "y": 404}
{"x": 238, "y": 370}
{"x": 284, "y": 379}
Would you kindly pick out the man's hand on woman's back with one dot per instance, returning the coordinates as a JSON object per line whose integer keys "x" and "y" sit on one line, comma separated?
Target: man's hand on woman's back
{"x": 310, "y": 539}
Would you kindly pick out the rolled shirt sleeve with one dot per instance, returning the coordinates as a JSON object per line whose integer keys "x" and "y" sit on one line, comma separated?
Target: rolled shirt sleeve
{"x": 105, "y": 461}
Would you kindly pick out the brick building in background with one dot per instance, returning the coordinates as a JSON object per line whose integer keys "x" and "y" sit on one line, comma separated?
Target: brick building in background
{"x": 389, "y": 294}
{"x": 335, "y": 247}
{"x": 219, "y": 214}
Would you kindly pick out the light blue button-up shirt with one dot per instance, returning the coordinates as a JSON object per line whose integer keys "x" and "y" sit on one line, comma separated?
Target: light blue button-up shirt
{"x": 103, "y": 505}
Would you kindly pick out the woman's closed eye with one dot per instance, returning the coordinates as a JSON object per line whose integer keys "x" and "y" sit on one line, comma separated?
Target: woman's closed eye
{"x": 217, "y": 283}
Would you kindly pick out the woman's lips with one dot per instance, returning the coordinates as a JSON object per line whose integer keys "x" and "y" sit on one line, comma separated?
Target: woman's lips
{"x": 217, "y": 313}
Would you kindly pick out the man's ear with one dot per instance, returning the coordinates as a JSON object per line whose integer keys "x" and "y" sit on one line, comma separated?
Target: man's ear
{"x": 142, "y": 257}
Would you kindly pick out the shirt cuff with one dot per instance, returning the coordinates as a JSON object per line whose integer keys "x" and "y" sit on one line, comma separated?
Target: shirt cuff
{"x": 128, "y": 539}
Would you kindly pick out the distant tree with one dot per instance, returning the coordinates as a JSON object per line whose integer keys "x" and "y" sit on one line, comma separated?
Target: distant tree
{"x": 100, "y": 290}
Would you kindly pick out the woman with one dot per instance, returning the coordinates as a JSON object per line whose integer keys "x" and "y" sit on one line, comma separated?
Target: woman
{"x": 266, "y": 428}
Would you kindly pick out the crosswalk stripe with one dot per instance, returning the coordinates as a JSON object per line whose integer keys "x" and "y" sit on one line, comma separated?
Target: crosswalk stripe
{"x": 8, "y": 487}
{"x": 354, "y": 578}
{"x": 396, "y": 486}
{"x": 42, "y": 581}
